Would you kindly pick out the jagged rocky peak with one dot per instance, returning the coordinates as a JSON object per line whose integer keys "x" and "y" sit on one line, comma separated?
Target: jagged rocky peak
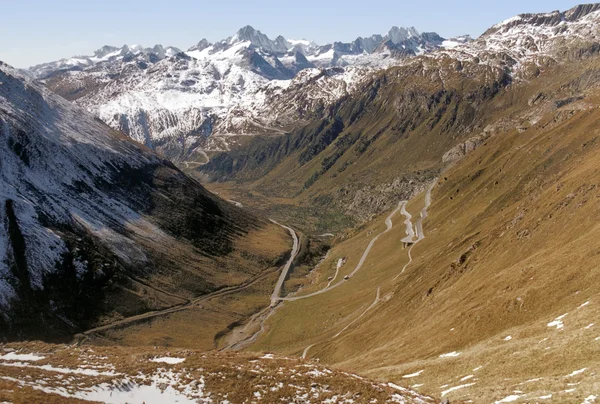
{"x": 462, "y": 38}
{"x": 157, "y": 50}
{"x": 397, "y": 35}
{"x": 108, "y": 52}
{"x": 200, "y": 46}
{"x": 163, "y": 52}
{"x": 260, "y": 40}
{"x": 581, "y": 11}
{"x": 432, "y": 37}
{"x": 368, "y": 44}
{"x": 282, "y": 43}
{"x": 252, "y": 35}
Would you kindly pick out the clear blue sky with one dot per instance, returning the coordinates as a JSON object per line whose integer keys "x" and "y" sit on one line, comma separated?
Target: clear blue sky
{"x": 36, "y": 31}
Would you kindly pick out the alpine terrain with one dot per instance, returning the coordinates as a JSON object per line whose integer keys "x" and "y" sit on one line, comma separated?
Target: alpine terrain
{"x": 402, "y": 218}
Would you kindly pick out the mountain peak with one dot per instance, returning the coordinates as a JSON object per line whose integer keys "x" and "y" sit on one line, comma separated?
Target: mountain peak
{"x": 260, "y": 40}
{"x": 581, "y": 11}
{"x": 200, "y": 46}
{"x": 247, "y": 33}
{"x": 105, "y": 50}
{"x": 400, "y": 34}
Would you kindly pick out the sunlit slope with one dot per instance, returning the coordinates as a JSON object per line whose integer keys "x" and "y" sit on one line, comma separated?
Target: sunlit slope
{"x": 511, "y": 245}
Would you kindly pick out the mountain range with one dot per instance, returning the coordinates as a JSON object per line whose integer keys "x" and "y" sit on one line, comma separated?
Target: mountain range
{"x": 175, "y": 101}
{"x": 183, "y": 104}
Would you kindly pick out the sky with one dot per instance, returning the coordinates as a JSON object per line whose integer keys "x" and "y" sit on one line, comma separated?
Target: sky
{"x": 38, "y": 31}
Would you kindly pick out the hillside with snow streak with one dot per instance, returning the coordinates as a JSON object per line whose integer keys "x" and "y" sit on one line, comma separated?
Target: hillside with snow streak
{"x": 87, "y": 217}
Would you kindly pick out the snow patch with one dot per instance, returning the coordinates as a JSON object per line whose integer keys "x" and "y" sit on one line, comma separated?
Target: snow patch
{"x": 169, "y": 360}
{"x": 450, "y": 355}
{"x": 577, "y": 372}
{"x": 50, "y": 368}
{"x": 413, "y": 374}
{"x": 12, "y": 356}
{"x": 584, "y": 304}
{"x": 451, "y": 389}
{"x": 558, "y": 323}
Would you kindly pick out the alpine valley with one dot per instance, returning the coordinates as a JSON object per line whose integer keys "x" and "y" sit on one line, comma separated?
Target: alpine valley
{"x": 264, "y": 220}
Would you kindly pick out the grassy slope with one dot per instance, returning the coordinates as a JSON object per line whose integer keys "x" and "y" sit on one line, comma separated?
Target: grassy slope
{"x": 511, "y": 245}
{"x": 257, "y": 255}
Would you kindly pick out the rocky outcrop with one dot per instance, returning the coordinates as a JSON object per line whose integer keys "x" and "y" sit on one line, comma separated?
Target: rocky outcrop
{"x": 461, "y": 150}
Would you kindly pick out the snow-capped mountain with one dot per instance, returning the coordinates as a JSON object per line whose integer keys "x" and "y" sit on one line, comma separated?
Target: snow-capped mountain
{"x": 175, "y": 102}
{"x": 104, "y": 54}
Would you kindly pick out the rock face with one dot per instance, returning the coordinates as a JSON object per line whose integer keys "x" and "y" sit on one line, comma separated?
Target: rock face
{"x": 84, "y": 211}
{"x": 461, "y": 150}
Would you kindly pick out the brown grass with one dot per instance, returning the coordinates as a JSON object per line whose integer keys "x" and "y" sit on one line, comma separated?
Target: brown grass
{"x": 511, "y": 244}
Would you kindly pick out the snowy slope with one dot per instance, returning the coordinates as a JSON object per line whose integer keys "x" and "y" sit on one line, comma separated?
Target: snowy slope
{"x": 49, "y": 150}
{"x": 532, "y": 40}
{"x": 170, "y": 375}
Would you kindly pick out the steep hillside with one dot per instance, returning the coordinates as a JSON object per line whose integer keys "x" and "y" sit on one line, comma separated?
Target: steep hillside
{"x": 95, "y": 227}
{"x": 373, "y": 149}
{"x": 497, "y": 300}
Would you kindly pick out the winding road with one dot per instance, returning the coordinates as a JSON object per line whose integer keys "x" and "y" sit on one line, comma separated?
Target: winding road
{"x": 418, "y": 227}
{"x": 340, "y": 264}
{"x": 388, "y": 224}
{"x": 410, "y": 238}
{"x": 377, "y": 299}
{"x": 410, "y": 233}
{"x": 259, "y": 318}
{"x": 284, "y": 273}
